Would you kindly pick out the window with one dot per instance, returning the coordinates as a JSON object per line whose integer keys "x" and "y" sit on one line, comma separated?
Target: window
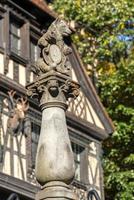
{"x": 34, "y": 50}
{"x": 35, "y": 137}
{"x": 15, "y": 37}
{"x": 77, "y": 150}
{"x": 19, "y": 38}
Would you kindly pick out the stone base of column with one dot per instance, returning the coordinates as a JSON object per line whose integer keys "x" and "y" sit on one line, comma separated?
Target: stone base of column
{"x": 56, "y": 190}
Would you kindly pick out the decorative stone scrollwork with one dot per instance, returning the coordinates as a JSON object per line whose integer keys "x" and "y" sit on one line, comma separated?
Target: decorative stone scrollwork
{"x": 54, "y": 51}
{"x": 70, "y": 89}
{"x": 53, "y": 88}
{"x": 53, "y": 84}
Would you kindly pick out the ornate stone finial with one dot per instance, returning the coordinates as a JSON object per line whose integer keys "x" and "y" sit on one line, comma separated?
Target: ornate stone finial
{"x": 54, "y": 51}
{"x": 54, "y": 85}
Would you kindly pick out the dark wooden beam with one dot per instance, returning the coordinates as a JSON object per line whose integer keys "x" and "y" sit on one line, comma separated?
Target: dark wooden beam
{"x": 18, "y": 186}
{"x": 85, "y": 128}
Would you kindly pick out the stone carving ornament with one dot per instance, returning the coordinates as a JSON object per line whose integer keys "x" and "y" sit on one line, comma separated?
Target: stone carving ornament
{"x": 53, "y": 85}
{"x": 54, "y": 51}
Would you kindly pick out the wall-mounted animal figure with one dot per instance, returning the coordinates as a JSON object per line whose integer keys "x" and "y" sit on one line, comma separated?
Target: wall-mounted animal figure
{"x": 17, "y": 108}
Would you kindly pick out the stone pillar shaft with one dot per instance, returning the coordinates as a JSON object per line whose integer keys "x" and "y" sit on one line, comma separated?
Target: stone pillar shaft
{"x": 54, "y": 160}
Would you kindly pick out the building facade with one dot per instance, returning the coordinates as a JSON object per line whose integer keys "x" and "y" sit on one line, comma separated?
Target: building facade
{"x": 21, "y": 25}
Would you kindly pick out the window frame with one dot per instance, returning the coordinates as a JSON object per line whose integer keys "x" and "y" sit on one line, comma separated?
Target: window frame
{"x": 15, "y": 35}
{"x": 77, "y": 150}
{"x": 34, "y": 55}
{"x": 17, "y": 23}
{"x": 84, "y": 143}
{"x": 2, "y": 35}
{"x": 34, "y": 36}
{"x": 23, "y": 55}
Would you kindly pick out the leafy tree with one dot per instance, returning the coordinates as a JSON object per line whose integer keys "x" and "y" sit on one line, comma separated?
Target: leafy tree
{"x": 105, "y": 40}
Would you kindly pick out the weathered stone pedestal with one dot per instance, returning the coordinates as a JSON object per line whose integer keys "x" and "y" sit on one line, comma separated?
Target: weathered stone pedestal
{"x": 55, "y": 168}
{"x": 56, "y": 190}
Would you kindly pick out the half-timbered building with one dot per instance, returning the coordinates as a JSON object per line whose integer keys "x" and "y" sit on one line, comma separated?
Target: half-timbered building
{"x": 21, "y": 25}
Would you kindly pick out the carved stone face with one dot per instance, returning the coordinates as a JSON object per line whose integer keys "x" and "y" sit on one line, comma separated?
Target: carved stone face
{"x": 53, "y": 88}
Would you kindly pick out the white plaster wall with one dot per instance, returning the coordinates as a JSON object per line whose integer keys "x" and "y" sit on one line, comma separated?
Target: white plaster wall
{"x": 82, "y": 108}
{"x": 94, "y": 115}
{"x": 23, "y": 145}
{"x": 10, "y": 69}
{"x": 31, "y": 77}
{"x": 94, "y": 171}
{"x": 7, "y": 166}
{"x": 22, "y": 75}
{"x": 22, "y": 141}
{"x": 16, "y": 167}
{"x": 4, "y": 121}
{"x": 1, "y": 63}
{"x": 19, "y": 167}
{"x": 22, "y": 70}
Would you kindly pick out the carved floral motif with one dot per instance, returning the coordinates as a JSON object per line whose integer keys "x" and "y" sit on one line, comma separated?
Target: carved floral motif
{"x": 53, "y": 87}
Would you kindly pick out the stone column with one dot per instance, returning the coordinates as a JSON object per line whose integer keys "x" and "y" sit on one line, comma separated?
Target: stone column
{"x": 55, "y": 168}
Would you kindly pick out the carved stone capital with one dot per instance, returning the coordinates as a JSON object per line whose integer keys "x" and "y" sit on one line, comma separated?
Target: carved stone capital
{"x": 53, "y": 89}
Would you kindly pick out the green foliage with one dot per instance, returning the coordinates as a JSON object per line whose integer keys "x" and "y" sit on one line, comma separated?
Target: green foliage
{"x": 104, "y": 38}
{"x": 118, "y": 95}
